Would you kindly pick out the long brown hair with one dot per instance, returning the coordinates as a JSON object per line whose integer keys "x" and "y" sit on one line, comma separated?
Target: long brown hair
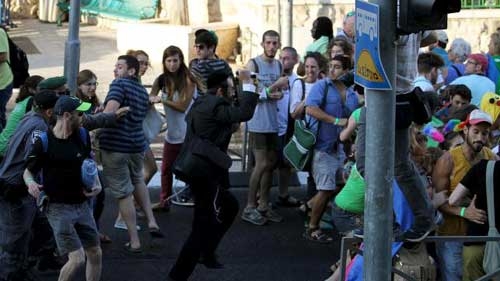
{"x": 178, "y": 80}
{"x": 30, "y": 83}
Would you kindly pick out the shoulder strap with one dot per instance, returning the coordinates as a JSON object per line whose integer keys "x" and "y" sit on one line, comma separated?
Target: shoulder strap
{"x": 45, "y": 141}
{"x": 303, "y": 82}
{"x": 325, "y": 94}
{"x": 490, "y": 194}
{"x": 83, "y": 135}
{"x": 256, "y": 66}
{"x": 456, "y": 69}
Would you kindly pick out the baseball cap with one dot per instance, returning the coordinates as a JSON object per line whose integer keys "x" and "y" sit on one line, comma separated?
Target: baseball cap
{"x": 45, "y": 99}
{"x": 52, "y": 83}
{"x": 477, "y": 116}
{"x": 481, "y": 59}
{"x": 70, "y": 104}
{"x": 442, "y": 36}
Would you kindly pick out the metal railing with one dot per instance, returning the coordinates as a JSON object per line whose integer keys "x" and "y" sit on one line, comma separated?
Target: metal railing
{"x": 480, "y": 4}
{"x": 430, "y": 239}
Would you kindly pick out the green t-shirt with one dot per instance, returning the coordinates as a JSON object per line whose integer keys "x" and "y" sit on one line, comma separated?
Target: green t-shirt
{"x": 355, "y": 114}
{"x": 14, "y": 118}
{"x": 6, "y": 76}
{"x": 352, "y": 197}
{"x": 320, "y": 46}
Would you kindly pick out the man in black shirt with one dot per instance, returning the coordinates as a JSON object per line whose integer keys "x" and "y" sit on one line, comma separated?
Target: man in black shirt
{"x": 473, "y": 185}
{"x": 59, "y": 160}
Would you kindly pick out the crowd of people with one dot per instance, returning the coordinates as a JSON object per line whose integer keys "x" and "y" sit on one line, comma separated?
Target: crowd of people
{"x": 51, "y": 210}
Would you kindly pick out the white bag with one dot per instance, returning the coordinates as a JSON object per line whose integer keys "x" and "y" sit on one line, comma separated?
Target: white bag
{"x": 152, "y": 124}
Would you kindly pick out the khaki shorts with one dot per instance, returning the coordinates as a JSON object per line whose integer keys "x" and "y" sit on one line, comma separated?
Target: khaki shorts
{"x": 122, "y": 172}
{"x": 264, "y": 141}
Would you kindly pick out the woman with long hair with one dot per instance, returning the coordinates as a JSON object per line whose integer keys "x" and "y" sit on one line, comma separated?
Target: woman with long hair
{"x": 177, "y": 88}
{"x": 24, "y": 102}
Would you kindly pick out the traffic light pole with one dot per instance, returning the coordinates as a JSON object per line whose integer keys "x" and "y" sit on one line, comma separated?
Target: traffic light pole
{"x": 379, "y": 164}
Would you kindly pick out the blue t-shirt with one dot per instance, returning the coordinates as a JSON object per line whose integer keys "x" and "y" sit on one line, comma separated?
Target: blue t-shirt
{"x": 329, "y": 133}
{"x": 127, "y": 136}
{"x": 452, "y": 72}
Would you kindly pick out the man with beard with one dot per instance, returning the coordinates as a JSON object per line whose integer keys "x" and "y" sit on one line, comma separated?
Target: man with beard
{"x": 428, "y": 71}
{"x": 263, "y": 128}
{"x": 59, "y": 160}
{"x": 447, "y": 174}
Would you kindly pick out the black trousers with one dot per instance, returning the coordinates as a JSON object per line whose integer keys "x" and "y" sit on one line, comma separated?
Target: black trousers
{"x": 214, "y": 212}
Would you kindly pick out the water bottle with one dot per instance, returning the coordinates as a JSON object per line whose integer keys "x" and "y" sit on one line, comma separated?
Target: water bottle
{"x": 89, "y": 173}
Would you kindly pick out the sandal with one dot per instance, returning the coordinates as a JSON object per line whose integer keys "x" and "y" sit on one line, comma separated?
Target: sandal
{"x": 155, "y": 232}
{"x": 288, "y": 201}
{"x": 129, "y": 249}
{"x": 317, "y": 235}
{"x": 104, "y": 238}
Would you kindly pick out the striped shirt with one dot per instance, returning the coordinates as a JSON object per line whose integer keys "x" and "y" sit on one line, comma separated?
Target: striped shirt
{"x": 127, "y": 136}
{"x": 202, "y": 68}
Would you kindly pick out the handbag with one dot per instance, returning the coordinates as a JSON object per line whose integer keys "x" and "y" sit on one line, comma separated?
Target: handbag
{"x": 199, "y": 159}
{"x": 152, "y": 124}
{"x": 299, "y": 149}
{"x": 491, "y": 258}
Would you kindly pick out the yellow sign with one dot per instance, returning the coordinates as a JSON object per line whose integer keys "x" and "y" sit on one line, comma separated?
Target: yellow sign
{"x": 365, "y": 68}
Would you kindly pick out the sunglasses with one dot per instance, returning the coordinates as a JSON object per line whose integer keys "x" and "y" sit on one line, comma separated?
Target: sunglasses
{"x": 350, "y": 14}
{"x": 200, "y": 46}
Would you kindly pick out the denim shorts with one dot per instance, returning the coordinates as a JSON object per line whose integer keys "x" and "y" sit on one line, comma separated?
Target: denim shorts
{"x": 73, "y": 226}
{"x": 122, "y": 172}
{"x": 324, "y": 169}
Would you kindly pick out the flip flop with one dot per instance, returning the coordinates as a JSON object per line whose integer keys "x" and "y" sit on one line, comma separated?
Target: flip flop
{"x": 129, "y": 249}
{"x": 104, "y": 238}
{"x": 156, "y": 233}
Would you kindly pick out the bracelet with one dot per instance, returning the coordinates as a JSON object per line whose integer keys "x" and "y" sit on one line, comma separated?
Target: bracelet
{"x": 337, "y": 120}
{"x": 268, "y": 91}
{"x": 28, "y": 181}
{"x": 462, "y": 212}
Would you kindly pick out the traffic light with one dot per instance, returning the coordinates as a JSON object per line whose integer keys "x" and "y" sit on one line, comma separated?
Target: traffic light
{"x": 419, "y": 15}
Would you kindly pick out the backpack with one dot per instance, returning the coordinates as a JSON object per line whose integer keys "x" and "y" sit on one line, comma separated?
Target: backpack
{"x": 18, "y": 63}
{"x": 45, "y": 140}
{"x": 416, "y": 263}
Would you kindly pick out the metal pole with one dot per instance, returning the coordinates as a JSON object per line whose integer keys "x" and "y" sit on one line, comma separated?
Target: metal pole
{"x": 379, "y": 164}
{"x": 72, "y": 46}
{"x": 278, "y": 16}
{"x": 288, "y": 25}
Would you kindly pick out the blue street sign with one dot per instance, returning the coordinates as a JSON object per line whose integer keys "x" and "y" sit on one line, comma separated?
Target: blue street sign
{"x": 369, "y": 71}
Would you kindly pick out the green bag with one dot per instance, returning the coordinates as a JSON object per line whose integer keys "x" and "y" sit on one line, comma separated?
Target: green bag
{"x": 299, "y": 150}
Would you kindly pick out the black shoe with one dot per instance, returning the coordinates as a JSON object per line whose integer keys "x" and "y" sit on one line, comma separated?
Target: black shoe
{"x": 211, "y": 262}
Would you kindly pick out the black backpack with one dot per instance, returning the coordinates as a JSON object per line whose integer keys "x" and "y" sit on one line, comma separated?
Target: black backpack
{"x": 18, "y": 63}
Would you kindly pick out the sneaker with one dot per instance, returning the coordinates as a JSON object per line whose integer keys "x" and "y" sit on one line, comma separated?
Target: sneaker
{"x": 253, "y": 216}
{"x": 412, "y": 235}
{"x": 121, "y": 225}
{"x": 183, "y": 201}
{"x": 271, "y": 215}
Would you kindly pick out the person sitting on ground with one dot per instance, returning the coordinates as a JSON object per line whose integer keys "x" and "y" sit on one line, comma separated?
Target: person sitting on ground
{"x": 474, "y": 77}
{"x": 456, "y": 97}
{"x": 457, "y": 54}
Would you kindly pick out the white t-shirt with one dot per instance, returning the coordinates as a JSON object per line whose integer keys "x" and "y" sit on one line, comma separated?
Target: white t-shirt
{"x": 424, "y": 84}
{"x": 296, "y": 94}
